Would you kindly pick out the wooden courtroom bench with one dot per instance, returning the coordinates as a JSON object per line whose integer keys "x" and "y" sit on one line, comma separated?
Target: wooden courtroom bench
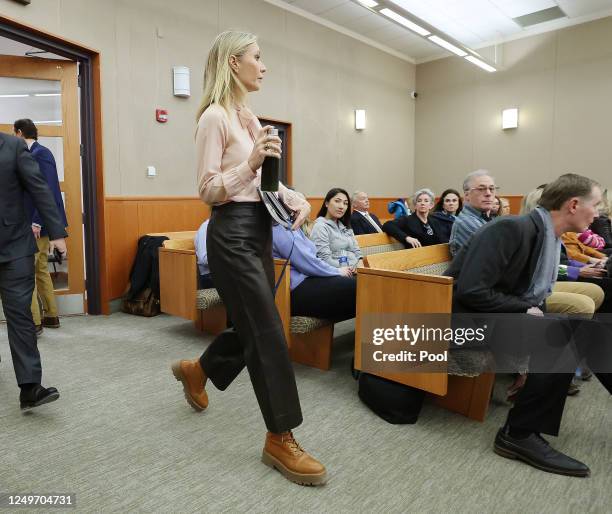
{"x": 410, "y": 281}
{"x": 371, "y": 244}
{"x": 309, "y": 339}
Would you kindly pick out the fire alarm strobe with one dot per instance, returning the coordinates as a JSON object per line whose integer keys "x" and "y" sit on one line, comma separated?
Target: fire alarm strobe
{"x": 161, "y": 115}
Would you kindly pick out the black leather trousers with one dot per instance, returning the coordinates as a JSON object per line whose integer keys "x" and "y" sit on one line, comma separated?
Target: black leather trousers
{"x": 239, "y": 245}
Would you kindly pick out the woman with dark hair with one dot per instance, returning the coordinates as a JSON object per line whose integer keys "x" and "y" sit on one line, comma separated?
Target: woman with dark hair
{"x": 317, "y": 289}
{"x": 332, "y": 233}
{"x": 418, "y": 229}
{"x": 446, "y": 210}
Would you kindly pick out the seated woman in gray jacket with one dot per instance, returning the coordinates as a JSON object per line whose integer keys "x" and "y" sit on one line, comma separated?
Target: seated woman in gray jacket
{"x": 332, "y": 233}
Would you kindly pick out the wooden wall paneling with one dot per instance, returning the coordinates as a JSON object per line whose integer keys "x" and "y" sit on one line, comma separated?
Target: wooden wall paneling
{"x": 171, "y": 215}
{"x": 121, "y": 224}
{"x": 128, "y": 218}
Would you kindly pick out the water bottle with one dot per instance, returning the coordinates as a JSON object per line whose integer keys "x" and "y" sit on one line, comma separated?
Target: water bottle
{"x": 270, "y": 169}
{"x": 343, "y": 261}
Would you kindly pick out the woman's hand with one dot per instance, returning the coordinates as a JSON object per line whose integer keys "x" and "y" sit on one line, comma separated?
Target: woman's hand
{"x": 301, "y": 215}
{"x": 535, "y": 311}
{"x": 413, "y": 241}
{"x": 265, "y": 146}
{"x": 345, "y": 272}
{"x": 591, "y": 271}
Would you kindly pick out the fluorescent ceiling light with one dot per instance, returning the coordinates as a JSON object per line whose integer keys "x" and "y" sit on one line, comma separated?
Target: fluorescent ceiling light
{"x": 480, "y": 64}
{"x": 368, "y": 3}
{"x": 404, "y": 21}
{"x": 48, "y": 122}
{"x": 13, "y": 96}
{"x": 449, "y": 46}
{"x": 47, "y": 94}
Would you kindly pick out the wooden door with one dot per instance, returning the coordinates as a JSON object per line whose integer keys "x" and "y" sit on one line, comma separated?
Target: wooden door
{"x": 46, "y": 91}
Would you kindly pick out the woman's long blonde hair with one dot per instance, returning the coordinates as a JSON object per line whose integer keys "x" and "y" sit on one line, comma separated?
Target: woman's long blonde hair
{"x": 606, "y": 203}
{"x": 221, "y": 85}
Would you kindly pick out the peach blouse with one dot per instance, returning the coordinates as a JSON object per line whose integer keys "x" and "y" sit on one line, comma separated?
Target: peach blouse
{"x": 224, "y": 142}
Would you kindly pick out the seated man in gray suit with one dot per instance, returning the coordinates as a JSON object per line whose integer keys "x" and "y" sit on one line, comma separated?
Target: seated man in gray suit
{"x": 18, "y": 173}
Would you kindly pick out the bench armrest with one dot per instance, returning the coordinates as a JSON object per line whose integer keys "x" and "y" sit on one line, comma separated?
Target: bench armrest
{"x": 178, "y": 282}
{"x": 381, "y": 291}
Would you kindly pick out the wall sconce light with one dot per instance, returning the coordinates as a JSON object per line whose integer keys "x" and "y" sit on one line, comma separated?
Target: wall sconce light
{"x": 360, "y": 119}
{"x": 510, "y": 118}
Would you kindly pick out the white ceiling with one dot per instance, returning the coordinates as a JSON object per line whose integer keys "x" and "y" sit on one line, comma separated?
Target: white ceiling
{"x": 475, "y": 23}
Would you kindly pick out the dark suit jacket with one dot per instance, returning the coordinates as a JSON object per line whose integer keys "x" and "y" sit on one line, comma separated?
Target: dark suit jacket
{"x": 412, "y": 226}
{"x": 18, "y": 173}
{"x": 46, "y": 163}
{"x": 497, "y": 265}
{"x": 445, "y": 225}
{"x": 360, "y": 225}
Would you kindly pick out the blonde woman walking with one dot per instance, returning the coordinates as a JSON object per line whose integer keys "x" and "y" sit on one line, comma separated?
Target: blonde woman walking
{"x": 231, "y": 147}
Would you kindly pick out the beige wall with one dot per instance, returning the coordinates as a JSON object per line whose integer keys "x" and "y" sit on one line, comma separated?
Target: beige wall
{"x": 316, "y": 78}
{"x": 562, "y": 84}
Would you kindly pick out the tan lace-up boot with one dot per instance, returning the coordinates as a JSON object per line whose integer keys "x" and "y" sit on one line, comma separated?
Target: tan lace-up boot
{"x": 191, "y": 374}
{"x": 284, "y": 453}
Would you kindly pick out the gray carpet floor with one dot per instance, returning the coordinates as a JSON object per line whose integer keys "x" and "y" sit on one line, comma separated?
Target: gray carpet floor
{"x": 124, "y": 440}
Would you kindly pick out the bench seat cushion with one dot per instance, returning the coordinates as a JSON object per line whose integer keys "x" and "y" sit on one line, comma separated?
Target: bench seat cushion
{"x": 207, "y": 298}
{"x": 466, "y": 362}
{"x": 389, "y": 247}
{"x": 431, "y": 269}
{"x": 304, "y": 324}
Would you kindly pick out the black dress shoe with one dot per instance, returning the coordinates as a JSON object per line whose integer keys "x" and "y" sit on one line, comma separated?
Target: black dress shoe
{"x": 36, "y": 396}
{"x": 536, "y": 451}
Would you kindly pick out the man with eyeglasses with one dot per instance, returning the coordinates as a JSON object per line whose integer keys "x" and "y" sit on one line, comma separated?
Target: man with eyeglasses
{"x": 479, "y": 193}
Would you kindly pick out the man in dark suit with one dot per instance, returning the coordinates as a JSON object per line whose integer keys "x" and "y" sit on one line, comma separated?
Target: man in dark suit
{"x": 510, "y": 267}
{"x": 19, "y": 173}
{"x": 26, "y": 129}
{"x": 362, "y": 221}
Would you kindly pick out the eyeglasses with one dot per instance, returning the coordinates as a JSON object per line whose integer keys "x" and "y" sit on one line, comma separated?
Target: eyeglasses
{"x": 484, "y": 189}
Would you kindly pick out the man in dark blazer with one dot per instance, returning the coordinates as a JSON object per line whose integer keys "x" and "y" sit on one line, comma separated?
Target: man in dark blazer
{"x": 19, "y": 173}
{"x": 26, "y": 129}
{"x": 509, "y": 267}
{"x": 362, "y": 221}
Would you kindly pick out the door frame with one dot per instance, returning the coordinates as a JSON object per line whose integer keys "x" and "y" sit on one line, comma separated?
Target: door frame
{"x": 91, "y": 159}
